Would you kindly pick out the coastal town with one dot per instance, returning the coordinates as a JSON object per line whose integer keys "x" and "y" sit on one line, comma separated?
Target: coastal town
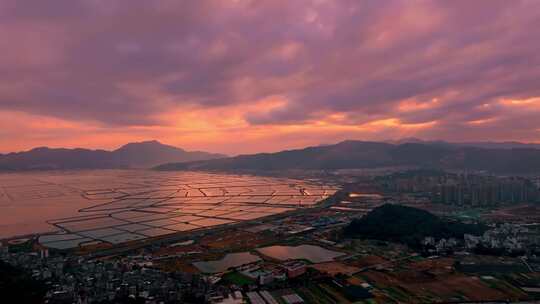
{"x": 303, "y": 257}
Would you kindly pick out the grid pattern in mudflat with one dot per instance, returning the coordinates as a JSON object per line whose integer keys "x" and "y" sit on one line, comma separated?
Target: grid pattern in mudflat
{"x": 168, "y": 203}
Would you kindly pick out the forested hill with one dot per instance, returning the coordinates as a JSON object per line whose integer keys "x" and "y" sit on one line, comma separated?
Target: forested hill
{"x": 407, "y": 225}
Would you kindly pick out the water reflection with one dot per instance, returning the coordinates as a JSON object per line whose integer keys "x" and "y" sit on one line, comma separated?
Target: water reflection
{"x": 314, "y": 254}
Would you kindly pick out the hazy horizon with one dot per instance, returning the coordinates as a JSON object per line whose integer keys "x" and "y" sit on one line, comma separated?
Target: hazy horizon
{"x": 407, "y": 139}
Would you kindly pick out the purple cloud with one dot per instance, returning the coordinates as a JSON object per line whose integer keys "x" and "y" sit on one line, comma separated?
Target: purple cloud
{"x": 125, "y": 63}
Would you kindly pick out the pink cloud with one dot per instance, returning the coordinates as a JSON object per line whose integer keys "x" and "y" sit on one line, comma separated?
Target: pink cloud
{"x": 348, "y": 69}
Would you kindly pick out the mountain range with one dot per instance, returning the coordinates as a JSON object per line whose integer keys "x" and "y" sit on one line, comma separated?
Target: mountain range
{"x": 361, "y": 154}
{"x": 145, "y": 154}
{"x": 494, "y": 157}
{"x": 477, "y": 144}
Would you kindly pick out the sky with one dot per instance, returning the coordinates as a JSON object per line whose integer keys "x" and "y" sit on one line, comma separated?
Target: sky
{"x": 252, "y": 76}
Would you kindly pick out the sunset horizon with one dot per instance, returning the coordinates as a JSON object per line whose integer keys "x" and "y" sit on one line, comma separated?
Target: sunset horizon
{"x": 273, "y": 150}
{"x": 91, "y": 74}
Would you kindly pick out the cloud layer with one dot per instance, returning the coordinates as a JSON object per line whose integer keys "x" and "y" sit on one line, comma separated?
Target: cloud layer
{"x": 243, "y": 76}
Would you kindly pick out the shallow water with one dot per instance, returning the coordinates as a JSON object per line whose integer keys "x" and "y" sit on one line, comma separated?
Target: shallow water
{"x": 314, "y": 254}
{"x": 104, "y": 204}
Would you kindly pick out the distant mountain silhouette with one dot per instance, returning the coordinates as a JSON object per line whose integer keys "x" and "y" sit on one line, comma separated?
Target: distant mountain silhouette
{"x": 477, "y": 144}
{"x": 151, "y": 153}
{"x": 134, "y": 155}
{"x": 360, "y": 154}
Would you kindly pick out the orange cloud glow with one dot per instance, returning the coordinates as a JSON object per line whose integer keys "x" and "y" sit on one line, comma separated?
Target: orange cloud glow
{"x": 254, "y": 76}
{"x": 413, "y": 105}
{"x": 528, "y": 102}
